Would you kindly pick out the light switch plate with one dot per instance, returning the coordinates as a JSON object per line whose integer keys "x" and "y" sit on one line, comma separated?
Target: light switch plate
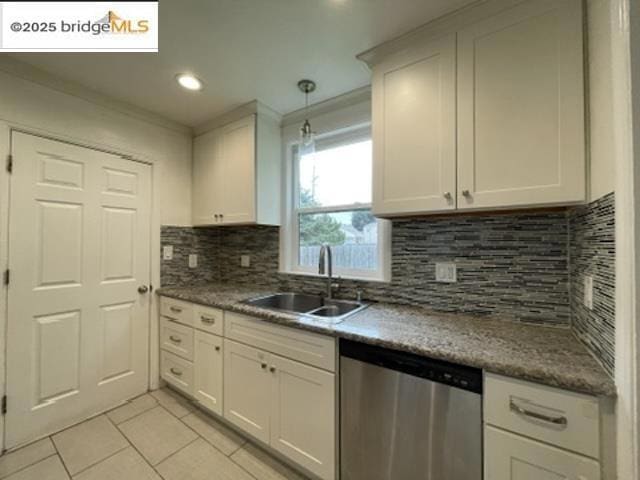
{"x": 245, "y": 260}
{"x": 167, "y": 252}
{"x": 446, "y": 272}
{"x": 588, "y": 292}
{"x": 193, "y": 260}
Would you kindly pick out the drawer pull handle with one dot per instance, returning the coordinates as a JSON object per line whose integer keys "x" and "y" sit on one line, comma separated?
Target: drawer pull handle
{"x": 176, "y": 372}
{"x": 175, "y": 339}
{"x": 538, "y": 416}
{"x": 207, "y": 320}
{"x": 175, "y": 309}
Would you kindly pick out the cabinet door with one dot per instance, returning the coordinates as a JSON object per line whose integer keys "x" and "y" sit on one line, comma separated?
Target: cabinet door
{"x": 239, "y": 173}
{"x": 414, "y": 130}
{"x": 303, "y": 415}
{"x": 207, "y": 178}
{"x": 512, "y": 457}
{"x": 207, "y": 380}
{"x": 521, "y": 107}
{"x": 247, "y": 389}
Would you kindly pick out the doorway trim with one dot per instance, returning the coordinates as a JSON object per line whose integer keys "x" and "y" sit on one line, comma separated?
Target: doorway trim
{"x": 6, "y": 129}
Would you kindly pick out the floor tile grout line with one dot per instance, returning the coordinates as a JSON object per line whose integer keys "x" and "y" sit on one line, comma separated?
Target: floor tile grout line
{"x": 176, "y": 452}
{"x": 64, "y": 465}
{"x": 135, "y": 416}
{"x": 153, "y": 467}
{"x": 100, "y": 461}
{"x": 32, "y": 464}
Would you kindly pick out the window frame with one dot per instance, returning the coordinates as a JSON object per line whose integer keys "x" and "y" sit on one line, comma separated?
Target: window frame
{"x": 289, "y": 236}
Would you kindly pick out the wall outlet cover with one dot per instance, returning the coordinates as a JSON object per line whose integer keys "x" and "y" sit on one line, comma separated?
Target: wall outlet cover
{"x": 167, "y": 252}
{"x": 446, "y": 272}
{"x": 245, "y": 260}
{"x": 588, "y": 292}
{"x": 193, "y": 260}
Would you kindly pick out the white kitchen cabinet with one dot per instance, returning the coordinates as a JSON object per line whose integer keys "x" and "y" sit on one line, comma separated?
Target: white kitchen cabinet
{"x": 303, "y": 415}
{"x": 521, "y": 128}
{"x": 247, "y": 389}
{"x": 481, "y": 110}
{"x": 512, "y": 457}
{"x": 236, "y": 173}
{"x": 414, "y": 130}
{"x": 207, "y": 382}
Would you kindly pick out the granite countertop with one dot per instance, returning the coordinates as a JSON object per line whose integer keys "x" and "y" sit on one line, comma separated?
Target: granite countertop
{"x": 548, "y": 355}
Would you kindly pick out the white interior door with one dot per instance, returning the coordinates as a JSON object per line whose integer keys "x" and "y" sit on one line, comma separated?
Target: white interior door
{"x": 79, "y": 240}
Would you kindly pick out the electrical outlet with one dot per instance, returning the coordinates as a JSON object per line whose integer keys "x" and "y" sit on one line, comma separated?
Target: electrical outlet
{"x": 446, "y": 272}
{"x": 193, "y": 260}
{"x": 245, "y": 260}
{"x": 167, "y": 252}
{"x": 588, "y": 292}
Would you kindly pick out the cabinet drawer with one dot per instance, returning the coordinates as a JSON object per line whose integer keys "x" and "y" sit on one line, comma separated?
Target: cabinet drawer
{"x": 176, "y": 310}
{"x": 208, "y": 319}
{"x": 306, "y": 347}
{"x": 177, "y": 371}
{"x": 176, "y": 338}
{"x": 565, "y": 419}
{"x": 512, "y": 457}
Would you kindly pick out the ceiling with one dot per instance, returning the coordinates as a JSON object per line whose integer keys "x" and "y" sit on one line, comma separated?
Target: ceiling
{"x": 245, "y": 50}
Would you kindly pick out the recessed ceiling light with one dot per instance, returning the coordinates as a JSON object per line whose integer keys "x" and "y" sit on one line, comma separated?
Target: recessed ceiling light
{"x": 188, "y": 81}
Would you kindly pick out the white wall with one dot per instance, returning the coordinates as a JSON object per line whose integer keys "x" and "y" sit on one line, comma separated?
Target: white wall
{"x": 601, "y": 121}
{"x": 63, "y": 115}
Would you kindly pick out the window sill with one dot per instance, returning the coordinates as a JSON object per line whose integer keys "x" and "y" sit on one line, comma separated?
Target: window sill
{"x": 373, "y": 279}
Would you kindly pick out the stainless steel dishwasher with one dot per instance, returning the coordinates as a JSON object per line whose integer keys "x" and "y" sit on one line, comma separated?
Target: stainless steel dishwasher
{"x": 406, "y": 417}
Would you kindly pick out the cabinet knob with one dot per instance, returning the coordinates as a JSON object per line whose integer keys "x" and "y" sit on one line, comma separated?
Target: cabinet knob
{"x": 217, "y": 349}
{"x": 264, "y": 366}
{"x": 466, "y": 193}
{"x": 272, "y": 369}
{"x": 447, "y": 195}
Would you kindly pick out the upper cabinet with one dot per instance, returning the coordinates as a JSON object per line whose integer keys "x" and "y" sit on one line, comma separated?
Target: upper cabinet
{"x": 236, "y": 173}
{"x": 485, "y": 110}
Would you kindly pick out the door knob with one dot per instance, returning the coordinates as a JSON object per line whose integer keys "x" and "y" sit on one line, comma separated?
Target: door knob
{"x": 143, "y": 289}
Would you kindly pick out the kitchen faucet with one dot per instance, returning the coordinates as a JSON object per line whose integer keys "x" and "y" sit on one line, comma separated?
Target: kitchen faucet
{"x": 325, "y": 251}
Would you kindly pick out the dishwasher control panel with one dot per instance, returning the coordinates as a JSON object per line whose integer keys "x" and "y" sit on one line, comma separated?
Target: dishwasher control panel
{"x": 459, "y": 376}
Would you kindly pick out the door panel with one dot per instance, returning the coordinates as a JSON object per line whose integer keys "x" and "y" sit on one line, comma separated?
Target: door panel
{"x": 303, "y": 415}
{"x": 79, "y": 248}
{"x": 239, "y": 158}
{"x": 247, "y": 389}
{"x": 512, "y": 457}
{"x": 521, "y": 107}
{"x": 57, "y": 353}
{"x": 208, "y": 371}
{"x": 414, "y": 130}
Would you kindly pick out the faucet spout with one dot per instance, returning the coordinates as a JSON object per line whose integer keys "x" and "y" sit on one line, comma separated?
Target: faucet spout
{"x": 325, "y": 258}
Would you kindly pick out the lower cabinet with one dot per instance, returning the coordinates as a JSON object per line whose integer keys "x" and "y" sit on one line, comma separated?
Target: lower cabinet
{"x": 284, "y": 403}
{"x": 247, "y": 389}
{"x": 207, "y": 381}
{"x": 275, "y": 383}
{"x": 512, "y": 457}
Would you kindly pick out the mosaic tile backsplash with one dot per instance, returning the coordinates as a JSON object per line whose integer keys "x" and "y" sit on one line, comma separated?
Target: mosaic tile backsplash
{"x": 592, "y": 253}
{"x": 511, "y": 266}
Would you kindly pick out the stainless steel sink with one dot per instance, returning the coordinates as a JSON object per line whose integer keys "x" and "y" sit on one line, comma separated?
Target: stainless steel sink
{"x": 313, "y": 306}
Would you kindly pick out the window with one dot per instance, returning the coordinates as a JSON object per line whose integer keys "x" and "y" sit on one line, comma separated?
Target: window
{"x": 331, "y": 204}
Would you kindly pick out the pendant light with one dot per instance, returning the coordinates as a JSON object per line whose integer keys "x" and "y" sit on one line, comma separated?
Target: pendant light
{"x": 307, "y": 136}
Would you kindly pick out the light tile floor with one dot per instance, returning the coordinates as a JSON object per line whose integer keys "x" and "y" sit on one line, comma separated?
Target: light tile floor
{"x": 156, "y": 436}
